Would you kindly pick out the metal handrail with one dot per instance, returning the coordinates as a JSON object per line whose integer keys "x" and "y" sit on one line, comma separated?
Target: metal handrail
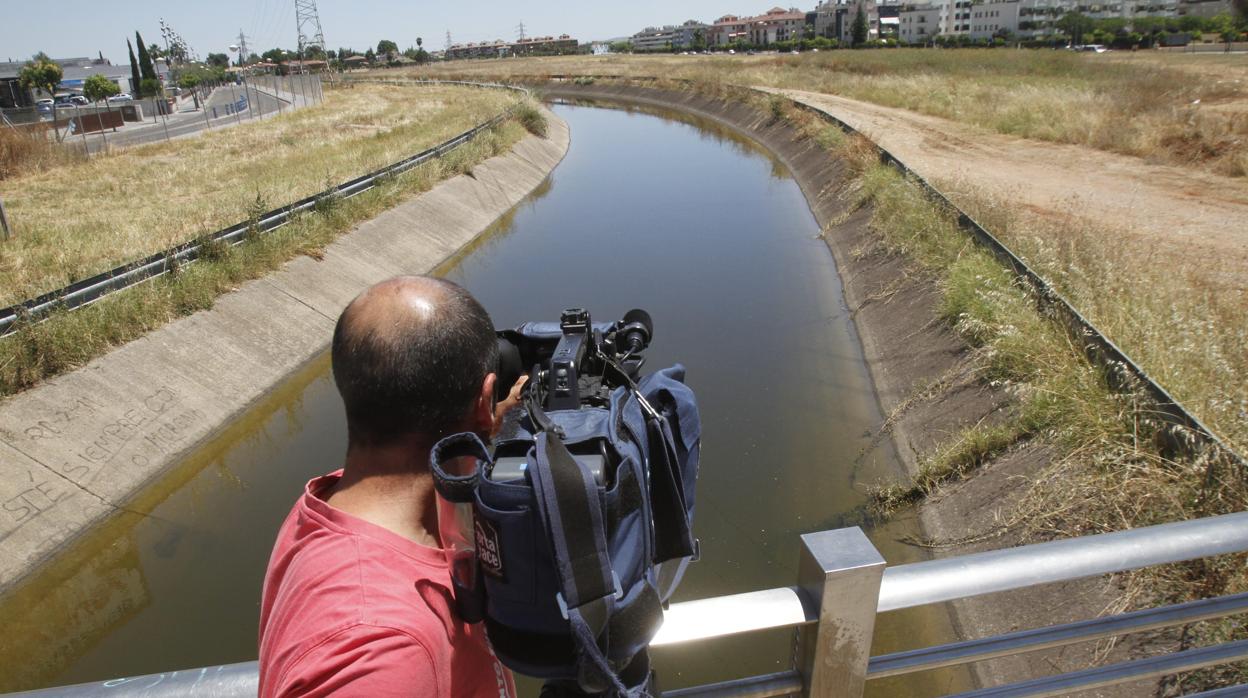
{"x": 953, "y": 654}
{"x": 916, "y": 584}
{"x": 933, "y": 581}
{"x": 1102, "y": 676}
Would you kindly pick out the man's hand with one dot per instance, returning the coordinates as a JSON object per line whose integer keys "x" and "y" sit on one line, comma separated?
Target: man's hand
{"x": 509, "y": 403}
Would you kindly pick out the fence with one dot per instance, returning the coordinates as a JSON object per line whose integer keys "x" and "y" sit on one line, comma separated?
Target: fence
{"x": 844, "y": 583}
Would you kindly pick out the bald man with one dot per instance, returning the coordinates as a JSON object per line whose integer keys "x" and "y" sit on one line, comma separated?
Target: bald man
{"x": 357, "y": 598}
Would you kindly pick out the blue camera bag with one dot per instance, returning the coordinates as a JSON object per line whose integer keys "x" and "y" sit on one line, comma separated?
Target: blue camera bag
{"x": 575, "y": 573}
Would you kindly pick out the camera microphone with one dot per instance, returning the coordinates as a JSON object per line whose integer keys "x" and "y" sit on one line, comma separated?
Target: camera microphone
{"x": 637, "y": 329}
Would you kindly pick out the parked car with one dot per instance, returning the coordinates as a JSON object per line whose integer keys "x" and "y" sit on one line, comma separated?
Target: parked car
{"x": 123, "y": 97}
{"x": 80, "y": 100}
{"x": 64, "y": 100}
{"x": 44, "y": 106}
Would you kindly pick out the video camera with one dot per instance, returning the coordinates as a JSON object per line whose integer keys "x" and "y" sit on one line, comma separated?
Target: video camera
{"x": 572, "y": 365}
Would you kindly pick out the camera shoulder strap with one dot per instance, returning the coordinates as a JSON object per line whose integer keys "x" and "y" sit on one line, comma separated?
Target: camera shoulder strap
{"x": 570, "y": 511}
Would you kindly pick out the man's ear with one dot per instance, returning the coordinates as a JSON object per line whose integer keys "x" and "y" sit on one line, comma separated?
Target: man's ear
{"x": 483, "y": 408}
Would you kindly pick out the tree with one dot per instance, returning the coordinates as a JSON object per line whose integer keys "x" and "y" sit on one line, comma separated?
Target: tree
{"x": 42, "y": 74}
{"x": 146, "y": 70}
{"x": 274, "y": 55}
{"x": 386, "y": 47}
{"x": 135, "y": 78}
{"x": 220, "y": 60}
{"x": 370, "y": 56}
{"x": 1075, "y": 24}
{"x": 858, "y": 31}
{"x": 98, "y": 88}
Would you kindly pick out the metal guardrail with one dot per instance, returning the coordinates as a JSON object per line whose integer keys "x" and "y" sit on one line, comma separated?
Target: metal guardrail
{"x": 843, "y": 583}
{"x": 89, "y": 290}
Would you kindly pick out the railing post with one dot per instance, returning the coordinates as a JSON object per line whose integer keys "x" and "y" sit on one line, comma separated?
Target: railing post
{"x": 840, "y": 571}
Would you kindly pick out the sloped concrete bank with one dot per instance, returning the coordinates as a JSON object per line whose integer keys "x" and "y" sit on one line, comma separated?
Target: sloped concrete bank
{"x": 76, "y": 449}
{"x": 923, "y": 374}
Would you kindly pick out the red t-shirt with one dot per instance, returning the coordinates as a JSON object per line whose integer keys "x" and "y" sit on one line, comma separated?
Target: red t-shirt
{"x": 353, "y": 609}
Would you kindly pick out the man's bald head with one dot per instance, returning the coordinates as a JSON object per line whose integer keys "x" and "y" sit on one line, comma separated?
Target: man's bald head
{"x": 409, "y": 357}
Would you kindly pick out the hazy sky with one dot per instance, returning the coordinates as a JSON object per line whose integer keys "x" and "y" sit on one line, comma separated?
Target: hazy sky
{"x": 65, "y": 28}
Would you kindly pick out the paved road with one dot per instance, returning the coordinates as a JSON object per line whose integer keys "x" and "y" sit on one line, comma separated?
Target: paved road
{"x": 189, "y": 123}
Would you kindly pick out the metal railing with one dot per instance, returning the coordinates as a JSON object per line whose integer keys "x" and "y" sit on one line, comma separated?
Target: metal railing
{"x": 96, "y": 287}
{"x": 844, "y": 583}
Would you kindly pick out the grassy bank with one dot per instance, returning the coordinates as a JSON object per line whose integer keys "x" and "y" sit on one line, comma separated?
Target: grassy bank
{"x": 69, "y": 339}
{"x": 72, "y": 221}
{"x": 1111, "y": 470}
{"x": 1160, "y": 106}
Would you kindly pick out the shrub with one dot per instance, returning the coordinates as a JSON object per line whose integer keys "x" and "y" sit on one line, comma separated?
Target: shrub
{"x": 532, "y": 119}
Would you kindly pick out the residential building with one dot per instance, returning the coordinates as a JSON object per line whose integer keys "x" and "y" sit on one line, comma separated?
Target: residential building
{"x": 834, "y": 19}
{"x": 726, "y": 30}
{"x": 777, "y": 24}
{"x": 484, "y": 49}
{"x": 992, "y": 19}
{"x": 656, "y": 38}
{"x": 922, "y": 23}
{"x": 545, "y": 46}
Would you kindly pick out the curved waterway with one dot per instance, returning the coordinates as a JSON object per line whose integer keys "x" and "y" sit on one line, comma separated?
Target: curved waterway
{"x": 693, "y": 223}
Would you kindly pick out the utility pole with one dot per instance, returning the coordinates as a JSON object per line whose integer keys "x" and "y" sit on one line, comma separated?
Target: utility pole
{"x": 242, "y": 48}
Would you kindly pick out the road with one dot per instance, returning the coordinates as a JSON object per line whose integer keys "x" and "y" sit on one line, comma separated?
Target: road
{"x": 189, "y": 123}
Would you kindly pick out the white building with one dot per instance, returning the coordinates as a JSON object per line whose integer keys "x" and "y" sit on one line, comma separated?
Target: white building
{"x": 991, "y": 19}
{"x": 921, "y": 24}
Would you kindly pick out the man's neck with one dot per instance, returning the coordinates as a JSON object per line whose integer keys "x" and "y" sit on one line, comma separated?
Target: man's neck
{"x": 392, "y": 488}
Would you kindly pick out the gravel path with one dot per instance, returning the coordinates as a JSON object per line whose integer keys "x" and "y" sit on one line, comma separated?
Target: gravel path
{"x": 1201, "y": 216}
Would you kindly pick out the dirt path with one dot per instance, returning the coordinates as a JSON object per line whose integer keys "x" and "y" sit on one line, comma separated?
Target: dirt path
{"x": 1200, "y": 216}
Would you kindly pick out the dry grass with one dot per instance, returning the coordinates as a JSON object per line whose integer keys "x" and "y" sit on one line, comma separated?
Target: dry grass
{"x": 1167, "y": 107}
{"x": 66, "y": 340}
{"x": 74, "y": 221}
{"x": 31, "y": 150}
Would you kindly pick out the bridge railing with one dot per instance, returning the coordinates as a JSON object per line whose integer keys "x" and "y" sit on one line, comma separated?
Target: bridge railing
{"x": 844, "y": 583}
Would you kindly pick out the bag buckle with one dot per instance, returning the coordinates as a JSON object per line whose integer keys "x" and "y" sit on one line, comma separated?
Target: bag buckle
{"x": 563, "y": 605}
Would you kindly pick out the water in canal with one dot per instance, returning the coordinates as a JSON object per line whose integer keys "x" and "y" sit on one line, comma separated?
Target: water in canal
{"x": 697, "y": 226}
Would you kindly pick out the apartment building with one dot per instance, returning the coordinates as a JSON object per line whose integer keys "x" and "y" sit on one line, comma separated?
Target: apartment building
{"x": 726, "y": 30}
{"x": 991, "y": 19}
{"x": 834, "y": 19}
{"x": 777, "y": 24}
{"x": 655, "y": 38}
{"x": 921, "y": 24}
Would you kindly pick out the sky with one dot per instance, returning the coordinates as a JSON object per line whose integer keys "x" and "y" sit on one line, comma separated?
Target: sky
{"x": 68, "y": 28}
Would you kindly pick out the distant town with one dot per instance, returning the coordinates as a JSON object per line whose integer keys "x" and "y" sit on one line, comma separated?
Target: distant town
{"x": 1122, "y": 24}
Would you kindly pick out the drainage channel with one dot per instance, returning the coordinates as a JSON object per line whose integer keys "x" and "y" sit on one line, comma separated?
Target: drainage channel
{"x": 680, "y": 217}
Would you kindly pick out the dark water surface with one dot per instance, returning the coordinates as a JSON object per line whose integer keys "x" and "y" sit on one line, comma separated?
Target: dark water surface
{"x": 699, "y": 227}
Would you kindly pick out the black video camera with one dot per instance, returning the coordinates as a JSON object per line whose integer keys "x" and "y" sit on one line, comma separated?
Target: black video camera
{"x": 571, "y": 365}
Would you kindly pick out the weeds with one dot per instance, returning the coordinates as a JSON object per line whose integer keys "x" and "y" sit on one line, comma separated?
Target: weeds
{"x": 76, "y": 220}
{"x": 30, "y": 150}
{"x": 65, "y": 340}
{"x": 531, "y": 118}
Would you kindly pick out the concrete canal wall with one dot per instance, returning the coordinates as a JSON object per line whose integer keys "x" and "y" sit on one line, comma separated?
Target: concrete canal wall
{"x": 76, "y": 449}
